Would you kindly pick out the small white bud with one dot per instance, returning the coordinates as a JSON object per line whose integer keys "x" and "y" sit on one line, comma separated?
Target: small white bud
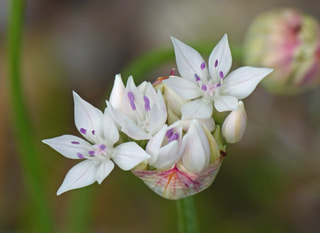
{"x": 234, "y": 125}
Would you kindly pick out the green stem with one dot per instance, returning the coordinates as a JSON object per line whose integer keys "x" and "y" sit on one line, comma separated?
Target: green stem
{"x": 187, "y": 216}
{"x": 21, "y": 123}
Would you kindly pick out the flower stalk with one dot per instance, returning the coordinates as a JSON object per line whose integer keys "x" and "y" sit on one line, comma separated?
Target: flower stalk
{"x": 187, "y": 216}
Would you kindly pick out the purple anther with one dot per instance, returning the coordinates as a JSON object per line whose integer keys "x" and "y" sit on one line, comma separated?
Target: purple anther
{"x": 169, "y": 133}
{"x": 174, "y": 137}
{"x": 93, "y": 132}
{"x": 102, "y": 146}
{"x": 216, "y": 64}
{"x": 146, "y": 103}
{"x": 83, "y": 131}
{"x": 204, "y": 87}
{"x": 221, "y": 74}
{"x": 203, "y": 65}
{"x": 172, "y": 71}
{"x": 197, "y": 77}
{"x": 80, "y": 156}
{"x": 75, "y": 142}
{"x": 91, "y": 152}
{"x": 131, "y": 99}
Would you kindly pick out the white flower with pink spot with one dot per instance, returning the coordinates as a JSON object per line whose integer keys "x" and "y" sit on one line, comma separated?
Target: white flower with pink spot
{"x": 208, "y": 86}
{"x": 100, "y": 153}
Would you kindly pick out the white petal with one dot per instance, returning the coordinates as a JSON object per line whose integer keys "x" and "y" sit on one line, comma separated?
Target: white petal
{"x": 199, "y": 108}
{"x": 88, "y": 119}
{"x": 185, "y": 88}
{"x": 127, "y": 125}
{"x": 189, "y": 61}
{"x": 168, "y": 156}
{"x": 69, "y": 146}
{"x": 104, "y": 170}
{"x": 220, "y": 59}
{"x": 128, "y": 155}
{"x": 117, "y": 92}
{"x": 158, "y": 115}
{"x": 80, "y": 175}
{"x": 241, "y": 82}
{"x": 111, "y": 134}
{"x": 225, "y": 103}
{"x": 154, "y": 144}
{"x": 195, "y": 148}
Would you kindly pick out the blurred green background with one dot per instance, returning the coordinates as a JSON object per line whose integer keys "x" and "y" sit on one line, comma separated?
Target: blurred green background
{"x": 269, "y": 182}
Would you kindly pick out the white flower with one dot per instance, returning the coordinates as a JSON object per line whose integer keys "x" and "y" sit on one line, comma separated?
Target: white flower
{"x": 100, "y": 130}
{"x": 206, "y": 86}
{"x": 139, "y": 111}
{"x": 234, "y": 125}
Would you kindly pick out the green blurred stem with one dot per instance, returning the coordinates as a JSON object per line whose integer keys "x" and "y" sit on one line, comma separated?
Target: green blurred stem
{"x": 187, "y": 216}
{"x": 21, "y": 123}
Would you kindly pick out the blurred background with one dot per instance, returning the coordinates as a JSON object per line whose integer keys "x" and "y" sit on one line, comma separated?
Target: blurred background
{"x": 269, "y": 182}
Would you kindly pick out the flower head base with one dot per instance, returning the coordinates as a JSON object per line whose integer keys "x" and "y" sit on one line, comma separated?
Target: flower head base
{"x": 177, "y": 183}
{"x": 188, "y": 167}
{"x": 288, "y": 41}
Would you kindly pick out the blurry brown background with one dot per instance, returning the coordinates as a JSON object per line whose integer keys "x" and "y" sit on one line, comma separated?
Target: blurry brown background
{"x": 269, "y": 182}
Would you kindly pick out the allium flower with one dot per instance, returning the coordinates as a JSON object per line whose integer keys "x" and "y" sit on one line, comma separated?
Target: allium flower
{"x": 181, "y": 166}
{"x": 99, "y": 153}
{"x": 205, "y": 85}
{"x": 139, "y": 111}
{"x": 288, "y": 41}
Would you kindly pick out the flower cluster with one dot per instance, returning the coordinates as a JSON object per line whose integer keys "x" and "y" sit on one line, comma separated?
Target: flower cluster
{"x": 167, "y": 133}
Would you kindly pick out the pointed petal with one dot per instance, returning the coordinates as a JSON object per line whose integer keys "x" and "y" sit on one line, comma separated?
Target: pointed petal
{"x": 189, "y": 61}
{"x": 154, "y": 144}
{"x": 88, "y": 119}
{"x": 195, "y": 148}
{"x": 111, "y": 134}
{"x": 158, "y": 115}
{"x": 168, "y": 156}
{"x": 117, "y": 92}
{"x": 199, "y": 108}
{"x": 80, "y": 175}
{"x": 225, "y": 103}
{"x": 220, "y": 59}
{"x": 185, "y": 88}
{"x": 127, "y": 125}
{"x": 104, "y": 170}
{"x": 128, "y": 155}
{"x": 70, "y": 146}
{"x": 241, "y": 82}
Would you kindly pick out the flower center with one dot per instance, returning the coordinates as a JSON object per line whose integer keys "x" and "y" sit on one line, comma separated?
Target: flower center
{"x": 142, "y": 113}
{"x": 210, "y": 88}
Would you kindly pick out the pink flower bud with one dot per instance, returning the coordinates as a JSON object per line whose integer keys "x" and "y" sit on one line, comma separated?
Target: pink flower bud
{"x": 289, "y": 42}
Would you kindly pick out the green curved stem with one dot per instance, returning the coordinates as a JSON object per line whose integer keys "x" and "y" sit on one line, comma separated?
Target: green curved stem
{"x": 21, "y": 123}
{"x": 187, "y": 216}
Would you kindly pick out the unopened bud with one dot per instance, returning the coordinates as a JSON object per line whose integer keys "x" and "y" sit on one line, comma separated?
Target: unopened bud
{"x": 234, "y": 125}
{"x": 289, "y": 42}
{"x": 173, "y": 101}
